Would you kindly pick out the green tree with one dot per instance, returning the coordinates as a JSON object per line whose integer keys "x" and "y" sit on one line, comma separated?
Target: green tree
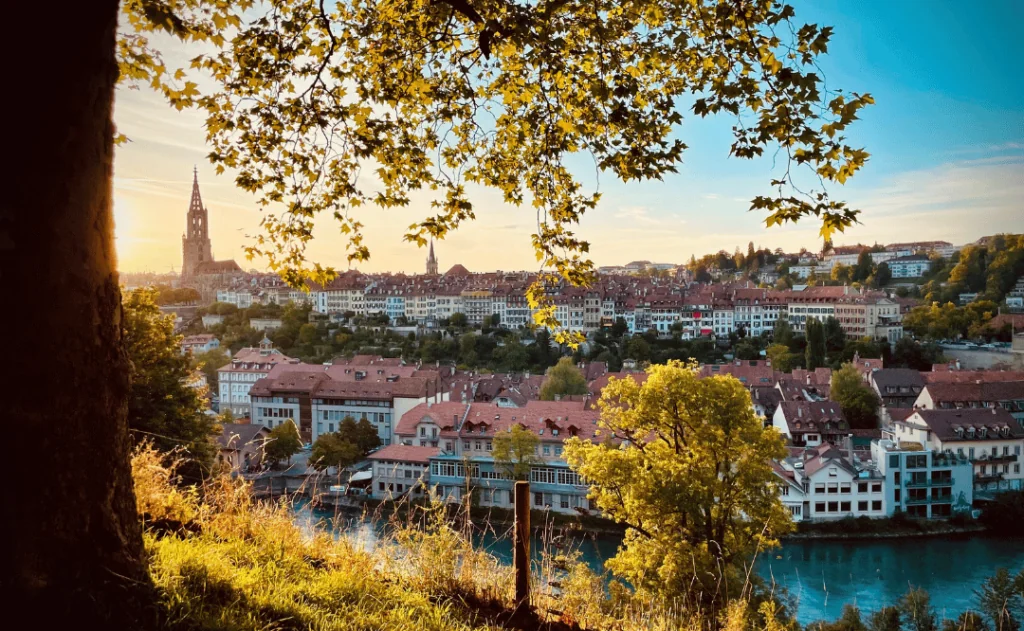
{"x": 561, "y": 379}
{"x": 307, "y": 333}
{"x": 882, "y": 275}
{"x": 512, "y": 356}
{"x": 162, "y": 407}
{"x": 782, "y": 360}
{"x": 835, "y": 337}
{"x": 858, "y": 400}
{"x": 458, "y": 321}
{"x": 917, "y": 612}
{"x": 209, "y": 361}
{"x": 967, "y": 621}
{"x": 815, "y": 352}
{"x": 909, "y": 353}
{"x": 850, "y": 620}
{"x": 637, "y": 348}
{"x": 619, "y": 327}
{"x": 842, "y": 273}
{"x": 748, "y": 349}
{"x": 885, "y": 619}
{"x": 283, "y": 443}
{"x": 1000, "y": 596}
{"x": 515, "y": 452}
{"x": 687, "y": 470}
{"x": 782, "y": 332}
{"x": 864, "y": 267}
{"x": 333, "y": 450}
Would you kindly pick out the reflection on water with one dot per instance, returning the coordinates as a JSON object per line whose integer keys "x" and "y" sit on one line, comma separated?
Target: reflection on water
{"x": 821, "y": 576}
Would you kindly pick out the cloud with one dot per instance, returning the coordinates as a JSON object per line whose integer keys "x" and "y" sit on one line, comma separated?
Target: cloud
{"x": 710, "y": 196}
{"x": 638, "y": 214}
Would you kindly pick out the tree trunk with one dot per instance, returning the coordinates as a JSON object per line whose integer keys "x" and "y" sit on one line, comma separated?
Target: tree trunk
{"x": 74, "y": 545}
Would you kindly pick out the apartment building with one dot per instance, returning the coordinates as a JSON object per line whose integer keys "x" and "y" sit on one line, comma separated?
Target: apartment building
{"x": 401, "y": 471}
{"x": 811, "y": 423}
{"x": 982, "y": 393}
{"x": 989, "y": 438}
{"x": 249, "y": 365}
{"x": 827, "y": 483}
{"x": 923, "y": 482}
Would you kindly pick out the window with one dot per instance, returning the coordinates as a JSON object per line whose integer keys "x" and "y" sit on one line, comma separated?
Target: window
{"x": 784, "y": 490}
{"x": 380, "y": 486}
{"x": 896, "y": 478}
{"x": 795, "y": 511}
{"x": 819, "y": 488}
{"x": 1006, "y": 450}
{"x": 896, "y": 495}
{"x": 970, "y": 453}
{"x": 543, "y": 475}
{"x": 862, "y": 506}
{"x": 844, "y": 488}
{"x": 833, "y": 507}
{"x": 408, "y": 473}
{"x": 819, "y": 507}
{"x": 477, "y": 445}
{"x": 844, "y": 507}
{"x": 833, "y": 487}
{"x": 558, "y": 451}
{"x": 1016, "y": 468}
{"x": 564, "y": 501}
{"x": 894, "y": 461}
{"x": 862, "y": 487}
{"x": 423, "y": 431}
{"x": 876, "y": 487}
{"x": 876, "y": 505}
{"x": 489, "y": 445}
{"x": 448, "y": 445}
{"x": 465, "y": 445}
{"x": 538, "y": 499}
{"x": 547, "y": 450}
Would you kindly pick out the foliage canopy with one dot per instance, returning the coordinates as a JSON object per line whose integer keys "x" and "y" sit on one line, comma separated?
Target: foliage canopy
{"x": 302, "y": 98}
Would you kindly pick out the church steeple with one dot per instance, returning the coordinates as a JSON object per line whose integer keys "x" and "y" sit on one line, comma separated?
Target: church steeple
{"x": 195, "y": 244}
{"x": 431, "y": 261}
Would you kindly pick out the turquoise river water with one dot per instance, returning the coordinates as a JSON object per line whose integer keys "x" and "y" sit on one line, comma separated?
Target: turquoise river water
{"x": 820, "y": 575}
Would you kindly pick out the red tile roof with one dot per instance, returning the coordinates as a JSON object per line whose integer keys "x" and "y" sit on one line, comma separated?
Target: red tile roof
{"x": 405, "y": 453}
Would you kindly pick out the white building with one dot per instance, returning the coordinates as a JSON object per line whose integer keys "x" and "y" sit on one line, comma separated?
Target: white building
{"x": 199, "y": 343}
{"x": 921, "y": 482}
{"x": 265, "y": 324}
{"x": 401, "y": 471}
{"x": 909, "y": 266}
{"x": 247, "y": 367}
{"x": 827, "y": 483}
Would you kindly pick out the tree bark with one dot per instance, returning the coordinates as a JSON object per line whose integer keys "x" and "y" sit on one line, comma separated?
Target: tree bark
{"x": 74, "y": 552}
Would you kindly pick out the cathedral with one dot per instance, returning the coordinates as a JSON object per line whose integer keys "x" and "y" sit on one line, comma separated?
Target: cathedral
{"x": 431, "y": 261}
{"x": 198, "y": 266}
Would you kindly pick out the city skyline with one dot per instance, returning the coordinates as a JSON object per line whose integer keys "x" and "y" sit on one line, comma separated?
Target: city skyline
{"x": 945, "y": 137}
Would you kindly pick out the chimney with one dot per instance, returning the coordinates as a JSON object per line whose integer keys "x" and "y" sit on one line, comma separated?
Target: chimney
{"x": 800, "y": 412}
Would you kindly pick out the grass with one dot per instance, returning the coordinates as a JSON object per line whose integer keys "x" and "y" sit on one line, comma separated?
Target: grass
{"x": 221, "y": 560}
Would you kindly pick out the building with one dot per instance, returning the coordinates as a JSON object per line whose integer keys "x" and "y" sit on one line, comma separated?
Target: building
{"x": 1008, "y": 395}
{"x": 248, "y": 366}
{"x": 465, "y": 432}
{"x": 431, "y": 261}
{"x": 827, "y": 483}
{"x": 401, "y": 471}
{"x": 913, "y": 266}
{"x": 197, "y": 259}
{"x": 318, "y": 397}
{"x": 199, "y": 343}
{"x": 241, "y": 446}
{"x": 922, "y": 482}
{"x": 989, "y": 438}
{"x": 897, "y": 387}
{"x": 265, "y": 324}
{"x": 811, "y": 423}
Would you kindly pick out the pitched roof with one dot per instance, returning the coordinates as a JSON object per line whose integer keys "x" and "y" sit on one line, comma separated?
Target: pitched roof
{"x": 983, "y": 391}
{"x": 234, "y": 436}
{"x": 752, "y": 372}
{"x": 965, "y": 376}
{"x": 405, "y": 453}
{"x": 896, "y": 377}
{"x": 821, "y": 417}
{"x": 944, "y": 423}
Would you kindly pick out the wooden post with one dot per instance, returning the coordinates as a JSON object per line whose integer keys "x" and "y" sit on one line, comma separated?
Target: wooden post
{"x": 521, "y": 544}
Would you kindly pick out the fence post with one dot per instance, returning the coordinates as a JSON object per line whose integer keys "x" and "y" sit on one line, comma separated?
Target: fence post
{"x": 521, "y": 543}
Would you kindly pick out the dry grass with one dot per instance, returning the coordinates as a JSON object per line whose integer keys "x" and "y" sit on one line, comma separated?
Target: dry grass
{"x": 222, "y": 560}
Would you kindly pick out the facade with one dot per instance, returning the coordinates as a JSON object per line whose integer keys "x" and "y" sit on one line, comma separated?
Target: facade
{"x": 990, "y": 439}
{"x": 248, "y": 366}
{"x": 923, "y": 482}
{"x": 199, "y": 343}
{"x": 913, "y": 266}
{"x": 897, "y": 387}
{"x": 811, "y": 423}
{"x": 198, "y": 267}
{"x": 464, "y": 433}
{"x": 265, "y": 324}
{"x": 319, "y": 397}
{"x": 401, "y": 471}
{"x": 827, "y": 483}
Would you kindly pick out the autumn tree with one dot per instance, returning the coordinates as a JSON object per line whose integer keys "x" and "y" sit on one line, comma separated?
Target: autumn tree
{"x": 687, "y": 468}
{"x": 283, "y": 443}
{"x": 564, "y": 378}
{"x": 298, "y": 99}
{"x": 782, "y": 360}
{"x": 859, "y": 402}
{"x": 209, "y": 361}
{"x": 515, "y": 452}
{"x": 333, "y": 450}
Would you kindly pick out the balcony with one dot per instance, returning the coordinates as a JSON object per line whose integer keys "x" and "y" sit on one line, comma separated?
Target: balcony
{"x": 998, "y": 459}
{"x": 926, "y": 483}
{"x": 989, "y": 477}
{"x": 917, "y": 501}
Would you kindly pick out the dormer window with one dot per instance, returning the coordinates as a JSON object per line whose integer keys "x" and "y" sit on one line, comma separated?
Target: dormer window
{"x": 959, "y": 432}
{"x": 970, "y": 432}
{"x": 1006, "y": 430}
{"x": 983, "y": 432}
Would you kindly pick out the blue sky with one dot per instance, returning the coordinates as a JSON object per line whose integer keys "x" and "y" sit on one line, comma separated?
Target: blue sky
{"x": 946, "y": 138}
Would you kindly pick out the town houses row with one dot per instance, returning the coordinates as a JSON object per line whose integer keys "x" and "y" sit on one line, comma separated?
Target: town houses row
{"x": 643, "y": 303}
{"x": 947, "y": 436}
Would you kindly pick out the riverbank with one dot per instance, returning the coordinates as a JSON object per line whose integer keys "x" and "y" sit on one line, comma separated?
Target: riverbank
{"x": 895, "y": 527}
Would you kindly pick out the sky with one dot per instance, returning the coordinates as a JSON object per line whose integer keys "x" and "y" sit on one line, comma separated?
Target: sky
{"x": 946, "y": 139}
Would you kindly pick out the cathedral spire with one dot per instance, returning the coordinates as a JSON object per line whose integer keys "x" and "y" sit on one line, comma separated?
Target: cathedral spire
{"x": 431, "y": 260}
{"x": 196, "y": 247}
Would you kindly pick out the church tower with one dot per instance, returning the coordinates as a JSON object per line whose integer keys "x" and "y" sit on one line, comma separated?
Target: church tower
{"x": 195, "y": 243}
{"x": 431, "y": 261}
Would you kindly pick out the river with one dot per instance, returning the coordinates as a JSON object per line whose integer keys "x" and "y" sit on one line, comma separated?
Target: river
{"x": 821, "y": 575}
